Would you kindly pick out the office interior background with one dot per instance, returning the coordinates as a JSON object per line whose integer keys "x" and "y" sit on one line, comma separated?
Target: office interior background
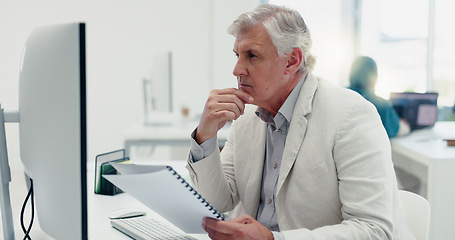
{"x": 129, "y": 41}
{"x": 153, "y": 41}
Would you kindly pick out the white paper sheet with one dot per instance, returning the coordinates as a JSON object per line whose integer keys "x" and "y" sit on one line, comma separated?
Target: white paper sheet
{"x": 164, "y": 193}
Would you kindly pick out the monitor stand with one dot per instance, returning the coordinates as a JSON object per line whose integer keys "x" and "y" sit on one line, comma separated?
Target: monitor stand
{"x": 5, "y": 176}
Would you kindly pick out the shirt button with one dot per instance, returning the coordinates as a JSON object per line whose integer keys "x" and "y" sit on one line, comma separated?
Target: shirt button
{"x": 274, "y": 165}
{"x": 269, "y": 200}
{"x": 198, "y": 151}
{"x": 278, "y": 131}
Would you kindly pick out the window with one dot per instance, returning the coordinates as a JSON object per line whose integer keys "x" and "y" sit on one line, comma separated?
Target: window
{"x": 444, "y": 52}
{"x": 395, "y": 36}
{"x": 411, "y": 41}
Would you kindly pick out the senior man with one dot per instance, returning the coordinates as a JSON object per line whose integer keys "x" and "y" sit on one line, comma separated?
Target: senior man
{"x": 310, "y": 161}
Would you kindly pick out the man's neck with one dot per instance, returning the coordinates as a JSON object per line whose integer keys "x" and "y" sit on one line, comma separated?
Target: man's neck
{"x": 275, "y": 106}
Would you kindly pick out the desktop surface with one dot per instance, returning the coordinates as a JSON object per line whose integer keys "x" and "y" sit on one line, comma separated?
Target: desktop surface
{"x": 428, "y": 144}
{"x": 425, "y": 154}
{"x": 140, "y": 137}
{"x": 100, "y": 207}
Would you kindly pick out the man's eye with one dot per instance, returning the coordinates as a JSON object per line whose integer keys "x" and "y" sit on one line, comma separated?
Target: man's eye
{"x": 252, "y": 55}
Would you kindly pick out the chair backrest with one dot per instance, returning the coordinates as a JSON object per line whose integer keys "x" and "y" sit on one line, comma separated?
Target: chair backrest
{"x": 417, "y": 211}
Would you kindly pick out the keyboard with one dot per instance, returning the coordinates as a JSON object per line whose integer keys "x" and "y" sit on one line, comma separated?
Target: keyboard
{"x": 144, "y": 228}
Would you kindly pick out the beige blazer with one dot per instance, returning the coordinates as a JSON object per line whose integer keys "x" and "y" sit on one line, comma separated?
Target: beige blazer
{"x": 336, "y": 178}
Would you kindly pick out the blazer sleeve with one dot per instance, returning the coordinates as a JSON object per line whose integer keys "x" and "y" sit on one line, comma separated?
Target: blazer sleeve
{"x": 215, "y": 180}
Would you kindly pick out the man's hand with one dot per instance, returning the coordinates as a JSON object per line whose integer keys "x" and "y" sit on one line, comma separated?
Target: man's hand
{"x": 244, "y": 227}
{"x": 222, "y": 105}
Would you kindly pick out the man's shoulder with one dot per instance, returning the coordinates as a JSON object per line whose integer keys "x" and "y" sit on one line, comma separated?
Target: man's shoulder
{"x": 330, "y": 91}
{"x": 329, "y": 97}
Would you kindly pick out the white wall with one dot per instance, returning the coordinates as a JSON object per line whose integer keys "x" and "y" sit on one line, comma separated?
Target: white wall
{"x": 224, "y": 13}
{"x": 126, "y": 42}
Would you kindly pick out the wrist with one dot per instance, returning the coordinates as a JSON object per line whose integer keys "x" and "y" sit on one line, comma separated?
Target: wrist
{"x": 200, "y": 136}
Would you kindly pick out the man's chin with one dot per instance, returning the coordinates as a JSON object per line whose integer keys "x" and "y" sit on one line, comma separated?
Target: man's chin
{"x": 246, "y": 89}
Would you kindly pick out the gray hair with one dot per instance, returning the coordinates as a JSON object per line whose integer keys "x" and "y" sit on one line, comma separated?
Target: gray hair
{"x": 285, "y": 27}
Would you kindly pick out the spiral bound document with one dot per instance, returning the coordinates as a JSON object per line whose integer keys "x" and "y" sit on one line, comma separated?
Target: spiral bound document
{"x": 164, "y": 191}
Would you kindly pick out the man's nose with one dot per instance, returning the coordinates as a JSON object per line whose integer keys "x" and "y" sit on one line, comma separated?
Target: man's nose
{"x": 239, "y": 68}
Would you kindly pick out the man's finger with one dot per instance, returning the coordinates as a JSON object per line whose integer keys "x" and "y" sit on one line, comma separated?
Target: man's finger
{"x": 224, "y": 227}
{"x": 232, "y": 99}
{"x": 245, "y": 97}
{"x": 245, "y": 219}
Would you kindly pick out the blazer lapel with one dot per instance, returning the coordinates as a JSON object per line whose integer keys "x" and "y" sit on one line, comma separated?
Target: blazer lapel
{"x": 256, "y": 134}
{"x": 297, "y": 128}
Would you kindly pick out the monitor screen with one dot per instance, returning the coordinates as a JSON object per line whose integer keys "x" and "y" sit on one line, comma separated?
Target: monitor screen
{"x": 418, "y": 109}
{"x": 52, "y": 129}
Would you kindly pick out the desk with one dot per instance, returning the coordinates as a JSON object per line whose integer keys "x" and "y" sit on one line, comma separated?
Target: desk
{"x": 175, "y": 134}
{"x": 99, "y": 208}
{"x": 425, "y": 154}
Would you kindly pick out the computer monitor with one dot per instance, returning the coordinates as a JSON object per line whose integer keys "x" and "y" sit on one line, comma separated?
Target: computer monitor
{"x": 420, "y": 110}
{"x": 53, "y": 127}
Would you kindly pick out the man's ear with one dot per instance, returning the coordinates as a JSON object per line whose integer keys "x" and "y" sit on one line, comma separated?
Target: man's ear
{"x": 294, "y": 60}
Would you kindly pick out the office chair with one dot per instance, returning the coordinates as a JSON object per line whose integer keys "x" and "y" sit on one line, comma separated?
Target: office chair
{"x": 417, "y": 211}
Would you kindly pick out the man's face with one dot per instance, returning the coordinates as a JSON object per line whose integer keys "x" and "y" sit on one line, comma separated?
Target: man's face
{"x": 259, "y": 70}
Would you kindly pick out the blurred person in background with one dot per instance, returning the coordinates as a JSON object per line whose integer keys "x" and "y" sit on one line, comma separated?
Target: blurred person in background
{"x": 363, "y": 79}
